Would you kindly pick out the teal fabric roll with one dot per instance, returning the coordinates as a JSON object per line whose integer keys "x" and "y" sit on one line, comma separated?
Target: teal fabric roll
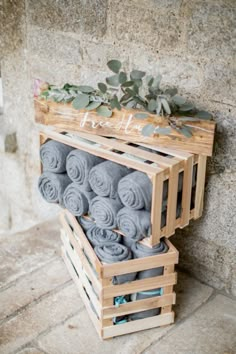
{"x": 53, "y": 156}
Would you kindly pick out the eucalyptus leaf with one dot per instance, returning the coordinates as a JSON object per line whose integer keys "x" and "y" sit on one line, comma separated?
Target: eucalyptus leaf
{"x": 93, "y": 105}
{"x": 179, "y": 100}
{"x": 113, "y": 80}
{"x": 165, "y": 105}
{"x": 150, "y": 80}
{"x": 86, "y": 89}
{"x": 137, "y": 74}
{"x": 102, "y": 87}
{"x": 163, "y": 131}
{"x": 203, "y": 115}
{"x": 141, "y": 115}
{"x": 159, "y": 106}
{"x": 186, "y": 131}
{"x": 156, "y": 81}
{"x": 186, "y": 107}
{"x": 125, "y": 97}
{"x": 189, "y": 119}
{"x": 81, "y": 101}
{"x": 152, "y": 105}
{"x": 128, "y": 83}
{"x": 148, "y": 130}
{"x": 104, "y": 111}
{"x": 171, "y": 91}
{"x": 114, "y": 65}
{"x": 122, "y": 77}
{"x": 115, "y": 103}
{"x": 130, "y": 92}
{"x": 138, "y": 82}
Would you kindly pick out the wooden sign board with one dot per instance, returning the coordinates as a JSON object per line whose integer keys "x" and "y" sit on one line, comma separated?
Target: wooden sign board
{"x": 123, "y": 125}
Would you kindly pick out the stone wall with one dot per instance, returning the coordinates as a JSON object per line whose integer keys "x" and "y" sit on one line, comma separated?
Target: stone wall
{"x": 190, "y": 42}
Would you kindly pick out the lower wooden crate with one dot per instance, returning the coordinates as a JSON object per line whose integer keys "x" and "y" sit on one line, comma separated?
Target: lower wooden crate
{"x": 94, "y": 282}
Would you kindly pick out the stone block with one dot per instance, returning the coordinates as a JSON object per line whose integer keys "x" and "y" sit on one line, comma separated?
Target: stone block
{"x": 209, "y": 330}
{"x": 211, "y": 28}
{"x": 51, "y": 45}
{"x": 28, "y": 250}
{"x": 28, "y": 324}
{"x": 32, "y": 286}
{"x": 74, "y": 16}
{"x": 156, "y": 28}
{"x": 8, "y": 143}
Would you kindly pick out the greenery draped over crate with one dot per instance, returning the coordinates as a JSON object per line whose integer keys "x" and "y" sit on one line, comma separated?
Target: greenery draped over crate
{"x": 134, "y": 90}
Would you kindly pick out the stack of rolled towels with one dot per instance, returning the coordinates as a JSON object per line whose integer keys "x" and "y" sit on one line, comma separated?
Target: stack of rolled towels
{"x": 114, "y": 197}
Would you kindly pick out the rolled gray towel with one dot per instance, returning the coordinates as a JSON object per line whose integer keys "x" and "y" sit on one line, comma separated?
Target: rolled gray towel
{"x": 148, "y": 313}
{"x": 53, "y": 156}
{"x": 135, "y": 224}
{"x": 112, "y": 252}
{"x": 139, "y": 250}
{"x": 127, "y": 241}
{"x": 52, "y": 186}
{"x": 104, "y": 178}
{"x": 135, "y": 191}
{"x": 76, "y": 199}
{"x": 104, "y": 212}
{"x": 85, "y": 223}
{"x": 78, "y": 166}
{"x": 98, "y": 236}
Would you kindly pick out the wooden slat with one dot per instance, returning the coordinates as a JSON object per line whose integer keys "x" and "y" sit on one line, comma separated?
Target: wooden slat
{"x": 172, "y": 200}
{"x": 82, "y": 275}
{"x": 168, "y": 289}
{"x": 138, "y": 325}
{"x": 125, "y": 126}
{"x": 82, "y": 293}
{"x": 139, "y": 285}
{"x": 156, "y": 211}
{"x": 139, "y": 264}
{"x": 200, "y": 187}
{"x": 187, "y": 191}
{"x": 139, "y": 305}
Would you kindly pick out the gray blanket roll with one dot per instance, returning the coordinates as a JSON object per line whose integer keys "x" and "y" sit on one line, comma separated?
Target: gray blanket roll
{"x": 78, "y": 166}
{"x": 52, "y": 186}
{"x": 98, "y": 236}
{"x": 148, "y": 313}
{"x": 135, "y": 191}
{"x": 76, "y": 199}
{"x": 135, "y": 224}
{"x": 53, "y": 156}
{"x": 112, "y": 252}
{"x": 140, "y": 251}
{"x": 85, "y": 223}
{"x": 104, "y": 178}
{"x": 104, "y": 212}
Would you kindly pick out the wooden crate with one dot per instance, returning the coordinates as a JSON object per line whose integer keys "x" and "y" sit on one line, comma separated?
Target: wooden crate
{"x": 94, "y": 282}
{"x": 166, "y": 164}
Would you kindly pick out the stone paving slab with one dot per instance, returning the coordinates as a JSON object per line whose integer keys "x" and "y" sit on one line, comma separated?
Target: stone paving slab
{"x": 32, "y": 286}
{"x": 211, "y": 330}
{"x": 73, "y": 336}
{"x": 28, "y": 324}
{"x": 23, "y": 252}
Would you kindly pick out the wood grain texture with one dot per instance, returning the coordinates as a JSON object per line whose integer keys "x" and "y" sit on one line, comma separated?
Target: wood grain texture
{"x": 123, "y": 125}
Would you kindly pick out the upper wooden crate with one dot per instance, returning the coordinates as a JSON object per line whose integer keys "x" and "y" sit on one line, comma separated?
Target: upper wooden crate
{"x": 94, "y": 281}
{"x": 165, "y": 164}
{"x": 123, "y": 125}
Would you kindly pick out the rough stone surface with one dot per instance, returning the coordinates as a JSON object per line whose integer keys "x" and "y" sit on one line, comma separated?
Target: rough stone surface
{"x": 191, "y": 43}
{"x": 32, "y": 286}
{"x": 209, "y": 330}
{"x": 28, "y": 250}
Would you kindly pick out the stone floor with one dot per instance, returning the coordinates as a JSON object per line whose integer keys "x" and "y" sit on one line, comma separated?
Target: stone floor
{"x": 41, "y": 312}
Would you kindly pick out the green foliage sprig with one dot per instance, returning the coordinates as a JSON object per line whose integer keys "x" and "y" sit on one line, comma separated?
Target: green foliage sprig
{"x": 133, "y": 90}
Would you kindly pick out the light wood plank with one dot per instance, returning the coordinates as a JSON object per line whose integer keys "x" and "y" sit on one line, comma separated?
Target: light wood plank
{"x": 200, "y": 187}
{"x": 156, "y": 211}
{"x": 138, "y": 325}
{"x": 186, "y": 193}
{"x": 139, "y": 285}
{"x": 123, "y": 124}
